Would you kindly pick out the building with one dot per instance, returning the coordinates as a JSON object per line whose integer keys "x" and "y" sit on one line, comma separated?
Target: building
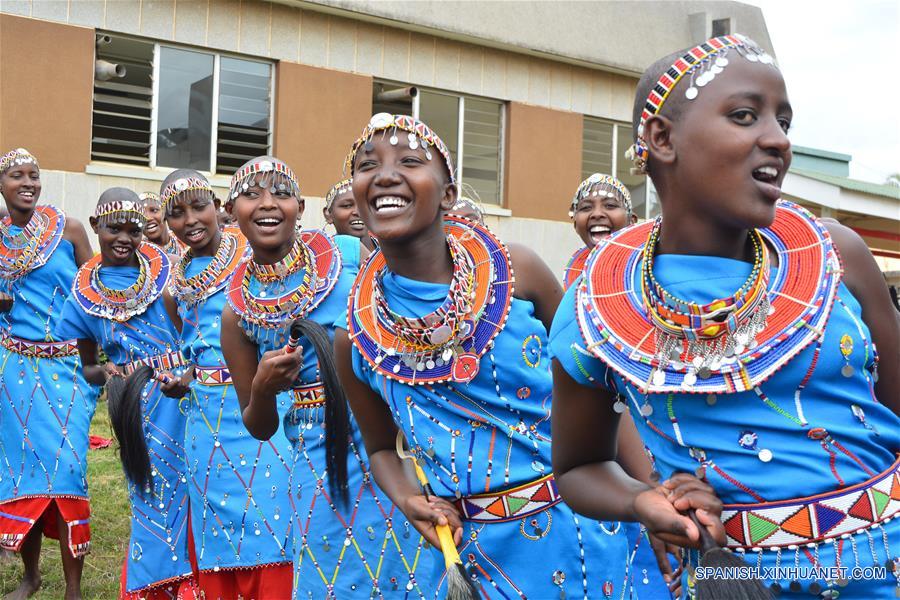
{"x": 529, "y": 96}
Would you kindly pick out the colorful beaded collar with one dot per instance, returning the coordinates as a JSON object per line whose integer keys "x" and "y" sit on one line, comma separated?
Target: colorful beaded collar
{"x": 122, "y": 304}
{"x": 434, "y": 348}
{"x": 575, "y": 266}
{"x": 174, "y": 247}
{"x": 192, "y": 290}
{"x": 274, "y": 306}
{"x": 617, "y": 328}
{"x": 32, "y": 247}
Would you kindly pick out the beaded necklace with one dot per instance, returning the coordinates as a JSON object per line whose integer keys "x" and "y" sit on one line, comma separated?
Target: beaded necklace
{"x": 174, "y": 246}
{"x": 120, "y": 305}
{"x": 32, "y": 247}
{"x": 192, "y": 290}
{"x": 296, "y": 258}
{"x": 702, "y": 336}
{"x": 621, "y": 311}
{"x": 575, "y": 266}
{"x": 448, "y": 343}
{"x": 274, "y": 305}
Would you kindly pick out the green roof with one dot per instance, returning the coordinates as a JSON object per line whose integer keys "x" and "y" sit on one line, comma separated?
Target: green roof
{"x": 866, "y": 187}
{"x": 821, "y": 153}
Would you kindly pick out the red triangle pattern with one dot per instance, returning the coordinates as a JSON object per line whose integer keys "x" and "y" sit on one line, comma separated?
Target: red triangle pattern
{"x": 542, "y": 494}
{"x": 734, "y": 527}
{"x": 862, "y": 508}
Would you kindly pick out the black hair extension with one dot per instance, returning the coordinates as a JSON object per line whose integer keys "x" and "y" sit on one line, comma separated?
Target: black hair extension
{"x": 123, "y": 400}
{"x": 337, "y": 416}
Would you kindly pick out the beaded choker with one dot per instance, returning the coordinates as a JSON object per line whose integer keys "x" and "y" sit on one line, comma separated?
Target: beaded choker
{"x": 447, "y": 344}
{"x": 122, "y": 304}
{"x": 273, "y": 304}
{"x": 627, "y": 322}
{"x": 575, "y": 266}
{"x": 298, "y": 257}
{"x": 701, "y": 337}
{"x": 192, "y": 290}
{"x": 32, "y": 247}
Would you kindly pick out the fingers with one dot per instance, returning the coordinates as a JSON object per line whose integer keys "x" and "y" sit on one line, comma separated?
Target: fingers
{"x": 426, "y": 514}
{"x": 660, "y": 548}
{"x": 713, "y": 524}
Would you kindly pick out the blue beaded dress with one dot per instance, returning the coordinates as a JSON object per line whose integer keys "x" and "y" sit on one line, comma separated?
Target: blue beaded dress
{"x": 366, "y": 549}
{"x": 157, "y": 549}
{"x": 812, "y": 431}
{"x": 46, "y": 406}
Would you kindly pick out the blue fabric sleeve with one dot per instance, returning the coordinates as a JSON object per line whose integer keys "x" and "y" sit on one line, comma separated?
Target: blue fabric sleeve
{"x": 348, "y": 246}
{"x": 567, "y": 346}
{"x": 73, "y": 323}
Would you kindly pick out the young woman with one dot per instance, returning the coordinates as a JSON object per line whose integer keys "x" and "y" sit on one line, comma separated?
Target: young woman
{"x": 156, "y": 230}
{"x": 117, "y": 303}
{"x": 441, "y": 347}
{"x": 45, "y": 404}
{"x": 340, "y": 211}
{"x": 349, "y": 540}
{"x": 238, "y": 486}
{"x": 601, "y": 206}
{"x": 741, "y": 331}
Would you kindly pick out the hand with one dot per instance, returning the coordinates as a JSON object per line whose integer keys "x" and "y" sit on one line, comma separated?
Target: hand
{"x": 661, "y": 551}
{"x": 278, "y": 370}
{"x": 171, "y": 386}
{"x": 664, "y": 511}
{"x": 111, "y": 369}
{"x": 424, "y": 514}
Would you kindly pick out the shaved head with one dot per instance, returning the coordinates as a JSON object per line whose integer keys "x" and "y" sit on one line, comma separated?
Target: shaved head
{"x": 118, "y": 194}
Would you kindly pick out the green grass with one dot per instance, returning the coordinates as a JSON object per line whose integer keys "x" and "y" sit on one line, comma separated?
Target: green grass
{"x": 109, "y": 530}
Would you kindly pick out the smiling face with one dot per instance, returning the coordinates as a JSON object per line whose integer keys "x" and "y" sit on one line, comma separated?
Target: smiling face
{"x": 728, "y": 149}
{"x": 118, "y": 242}
{"x": 193, "y": 221}
{"x": 21, "y": 188}
{"x": 344, "y": 216}
{"x": 399, "y": 192}
{"x": 595, "y": 217}
{"x": 268, "y": 221}
{"x": 156, "y": 230}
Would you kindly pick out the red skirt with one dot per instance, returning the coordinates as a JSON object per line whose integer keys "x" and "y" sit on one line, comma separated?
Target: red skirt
{"x": 19, "y": 516}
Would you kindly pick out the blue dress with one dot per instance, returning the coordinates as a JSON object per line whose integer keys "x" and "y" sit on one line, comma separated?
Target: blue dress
{"x": 238, "y": 486}
{"x": 157, "y": 549}
{"x": 486, "y": 445}
{"x": 366, "y": 549}
{"x": 46, "y": 406}
{"x": 786, "y": 440}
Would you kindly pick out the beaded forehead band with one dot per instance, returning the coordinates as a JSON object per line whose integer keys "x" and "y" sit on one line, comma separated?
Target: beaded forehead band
{"x": 341, "y": 187}
{"x": 185, "y": 186}
{"x": 121, "y": 211}
{"x": 417, "y": 134}
{"x": 594, "y": 186}
{"x": 271, "y": 174}
{"x": 702, "y": 63}
{"x": 149, "y": 197}
{"x": 19, "y": 156}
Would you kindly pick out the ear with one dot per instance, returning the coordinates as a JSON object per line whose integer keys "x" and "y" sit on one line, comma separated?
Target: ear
{"x": 448, "y": 201}
{"x": 634, "y": 218}
{"x": 327, "y": 215}
{"x": 658, "y": 137}
{"x": 302, "y": 203}
{"x": 217, "y": 203}
{"x": 229, "y": 207}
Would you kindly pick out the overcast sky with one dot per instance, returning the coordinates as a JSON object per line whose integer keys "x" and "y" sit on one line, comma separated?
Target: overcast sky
{"x": 841, "y": 62}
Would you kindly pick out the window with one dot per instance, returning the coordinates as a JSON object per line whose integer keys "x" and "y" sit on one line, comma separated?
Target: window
{"x": 603, "y": 151}
{"x": 472, "y": 129}
{"x": 180, "y": 108}
{"x": 721, "y": 27}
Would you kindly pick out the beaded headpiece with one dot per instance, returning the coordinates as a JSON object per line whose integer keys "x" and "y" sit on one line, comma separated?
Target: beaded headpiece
{"x": 702, "y": 63}
{"x": 341, "y": 187}
{"x": 417, "y": 134}
{"x": 149, "y": 198}
{"x": 19, "y": 156}
{"x": 121, "y": 211}
{"x": 269, "y": 173}
{"x": 601, "y": 185}
{"x": 192, "y": 186}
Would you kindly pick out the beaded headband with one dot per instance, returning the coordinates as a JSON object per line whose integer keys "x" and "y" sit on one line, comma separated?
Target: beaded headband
{"x": 149, "y": 198}
{"x": 342, "y": 186}
{"x": 418, "y": 134}
{"x": 185, "y": 185}
{"x": 702, "y": 63}
{"x": 19, "y": 156}
{"x": 592, "y": 185}
{"x": 272, "y": 174}
{"x": 121, "y": 211}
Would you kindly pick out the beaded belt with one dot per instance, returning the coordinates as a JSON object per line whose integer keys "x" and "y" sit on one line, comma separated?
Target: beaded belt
{"x": 212, "y": 375}
{"x": 309, "y": 395}
{"x": 512, "y": 504}
{"x": 38, "y": 349}
{"x": 159, "y": 362}
{"x": 817, "y": 518}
